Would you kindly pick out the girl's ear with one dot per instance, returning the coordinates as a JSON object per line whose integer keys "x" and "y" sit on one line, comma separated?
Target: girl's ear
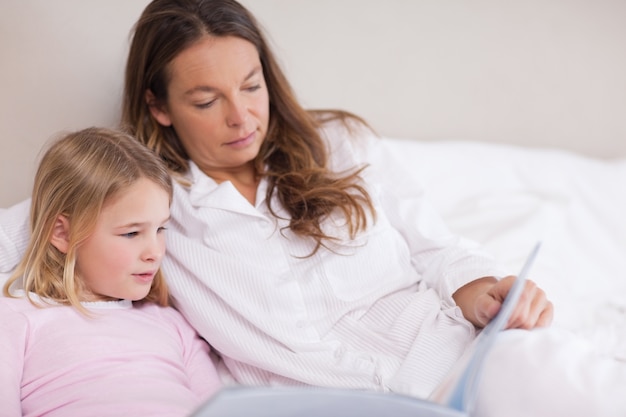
{"x": 157, "y": 110}
{"x": 60, "y": 238}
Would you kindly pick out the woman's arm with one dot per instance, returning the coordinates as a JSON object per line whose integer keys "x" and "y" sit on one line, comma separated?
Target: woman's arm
{"x": 447, "y": 263}
{"x": 444, "y": 261}
{"x": 14, "y": 234}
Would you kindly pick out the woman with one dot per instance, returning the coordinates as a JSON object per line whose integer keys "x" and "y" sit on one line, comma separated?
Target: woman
{"x": 303, "y": 265}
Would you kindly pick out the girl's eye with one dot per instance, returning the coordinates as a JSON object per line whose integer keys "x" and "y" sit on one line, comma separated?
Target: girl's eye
{"x": 161, "y": 229}
{"x": 130, "y": 234}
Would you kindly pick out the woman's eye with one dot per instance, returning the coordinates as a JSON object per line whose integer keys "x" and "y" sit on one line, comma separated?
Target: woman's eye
{"x": 253, "y": 88}
{"x": 205, "y": 105}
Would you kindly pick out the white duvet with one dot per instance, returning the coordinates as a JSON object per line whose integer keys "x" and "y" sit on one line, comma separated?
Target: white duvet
{"x": 509, "y": 197}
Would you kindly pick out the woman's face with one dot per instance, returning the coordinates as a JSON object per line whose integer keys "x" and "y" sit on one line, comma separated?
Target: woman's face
{"x": 218, "y": 103}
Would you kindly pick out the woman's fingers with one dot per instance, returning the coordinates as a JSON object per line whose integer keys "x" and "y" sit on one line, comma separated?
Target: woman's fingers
{"x": 533, "y": 309}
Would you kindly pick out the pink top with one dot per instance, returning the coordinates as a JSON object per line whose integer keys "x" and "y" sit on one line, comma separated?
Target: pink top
{"x": 125, "y": 360}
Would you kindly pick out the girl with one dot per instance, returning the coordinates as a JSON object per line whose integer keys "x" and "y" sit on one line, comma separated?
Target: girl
{"x": 90, "y": 331}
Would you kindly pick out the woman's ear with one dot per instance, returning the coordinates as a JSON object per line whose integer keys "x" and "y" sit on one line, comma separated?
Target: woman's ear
{"x": 157, "y": 110}
{"x": 60, "y": 237}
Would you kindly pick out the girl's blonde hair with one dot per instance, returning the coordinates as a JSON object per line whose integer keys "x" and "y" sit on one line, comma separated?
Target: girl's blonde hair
{"x": 76, "y": 177}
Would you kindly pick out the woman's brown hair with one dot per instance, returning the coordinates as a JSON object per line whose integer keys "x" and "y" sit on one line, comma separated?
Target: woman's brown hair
{"x": 76, "y": 177}
{"x": 293, "y": 156}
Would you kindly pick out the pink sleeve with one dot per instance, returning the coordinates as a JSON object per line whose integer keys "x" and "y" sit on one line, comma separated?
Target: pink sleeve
{"x": 13, "y": 334}
{"x": 201, "y": 371}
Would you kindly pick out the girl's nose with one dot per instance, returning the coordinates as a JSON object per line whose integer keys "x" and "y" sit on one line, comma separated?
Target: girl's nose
{"x": 155, "y": 249}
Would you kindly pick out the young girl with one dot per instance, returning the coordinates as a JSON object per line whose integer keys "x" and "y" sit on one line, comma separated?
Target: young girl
{"x": 90, "y": 331}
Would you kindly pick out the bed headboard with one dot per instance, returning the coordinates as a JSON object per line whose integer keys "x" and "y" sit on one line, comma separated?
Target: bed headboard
{"x": 538, "y": 73}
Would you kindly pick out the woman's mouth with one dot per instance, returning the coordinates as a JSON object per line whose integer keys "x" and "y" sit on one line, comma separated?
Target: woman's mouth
{"x": 241, "y": 142}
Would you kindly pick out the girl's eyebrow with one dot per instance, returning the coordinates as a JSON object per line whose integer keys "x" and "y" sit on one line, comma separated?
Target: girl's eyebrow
{"x": 139, "y": 224}
{"x": 209, "y": 89}
{"x": 130, "y": 225}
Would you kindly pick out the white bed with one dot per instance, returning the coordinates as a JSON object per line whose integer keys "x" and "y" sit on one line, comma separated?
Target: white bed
{"x": 533, "y": 91}
{"x": 508, "y": 197}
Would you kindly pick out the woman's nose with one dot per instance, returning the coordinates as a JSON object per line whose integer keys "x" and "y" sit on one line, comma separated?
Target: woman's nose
{"x": 236, "y": 113}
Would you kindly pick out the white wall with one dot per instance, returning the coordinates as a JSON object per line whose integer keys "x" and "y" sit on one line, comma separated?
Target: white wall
{"x": 537, "y": 72}
{"x": 62, "y": 69}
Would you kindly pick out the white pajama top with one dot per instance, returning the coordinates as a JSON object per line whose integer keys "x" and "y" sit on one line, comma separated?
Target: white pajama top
{"x": 375, "y": 312}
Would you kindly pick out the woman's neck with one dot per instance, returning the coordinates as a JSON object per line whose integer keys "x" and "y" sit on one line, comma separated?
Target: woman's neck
{"x": 244, "y": 178}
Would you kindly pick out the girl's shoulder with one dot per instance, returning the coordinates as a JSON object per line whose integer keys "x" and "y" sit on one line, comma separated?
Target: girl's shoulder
{"x": 17, "y": 304}
{"x": 35, "y": 311}
{"x": 15, "y": 314}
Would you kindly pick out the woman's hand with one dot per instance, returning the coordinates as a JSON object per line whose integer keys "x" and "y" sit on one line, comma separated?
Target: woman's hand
{"x": 480, "y": 301}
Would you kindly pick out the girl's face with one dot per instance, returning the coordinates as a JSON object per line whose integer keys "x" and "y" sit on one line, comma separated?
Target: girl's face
{"x": 124, "y": 252}
{"x": 218, "y": 103}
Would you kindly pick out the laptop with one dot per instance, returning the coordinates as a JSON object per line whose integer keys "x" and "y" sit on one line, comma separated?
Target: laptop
{"x": 454, "y": 397}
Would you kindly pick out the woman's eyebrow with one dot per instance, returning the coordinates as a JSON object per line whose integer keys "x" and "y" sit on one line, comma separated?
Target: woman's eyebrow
{"x": 252, "y": 73}
{"x": 209, "y": 89}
